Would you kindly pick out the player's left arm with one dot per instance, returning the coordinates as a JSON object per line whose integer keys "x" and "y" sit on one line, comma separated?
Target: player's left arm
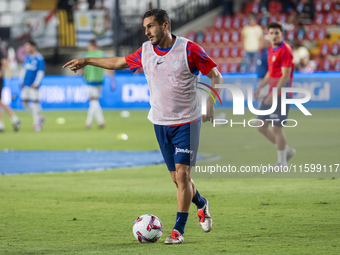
{"x": 286, "y": 72}
{"x": 216, "y": 78}
{"x": 40, "y": 73}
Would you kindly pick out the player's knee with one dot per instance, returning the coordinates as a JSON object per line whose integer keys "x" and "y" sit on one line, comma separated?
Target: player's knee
{"x": 183, "y": 176}
{"x": 277, "y": 129}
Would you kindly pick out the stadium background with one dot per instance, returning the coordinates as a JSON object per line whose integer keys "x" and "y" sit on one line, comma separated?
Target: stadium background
{"x": 81, "y": 212}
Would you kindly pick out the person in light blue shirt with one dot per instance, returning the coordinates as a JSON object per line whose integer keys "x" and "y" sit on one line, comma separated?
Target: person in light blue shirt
{"x": 31, "y": 77}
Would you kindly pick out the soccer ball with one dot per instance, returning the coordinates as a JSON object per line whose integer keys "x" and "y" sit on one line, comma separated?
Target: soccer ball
{"x": 147, "y": 228}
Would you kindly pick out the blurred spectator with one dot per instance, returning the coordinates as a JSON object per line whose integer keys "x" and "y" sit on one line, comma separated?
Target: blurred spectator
{"x": 291, "y": 22}
{"x": 228, "y": 7}
{"x": 306, "y": 11}
{"x": 251, "y": 35}
{"x": 262, "y": 63}
{"x": 67, "y": 5}
{"x": 305, "y": 65}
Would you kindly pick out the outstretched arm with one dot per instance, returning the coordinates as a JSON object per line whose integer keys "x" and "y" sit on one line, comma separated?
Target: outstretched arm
{"x": 112, "y": 63}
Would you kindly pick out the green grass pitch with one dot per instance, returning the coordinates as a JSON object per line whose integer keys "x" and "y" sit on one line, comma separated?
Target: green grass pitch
{"x": 92, "y": 212}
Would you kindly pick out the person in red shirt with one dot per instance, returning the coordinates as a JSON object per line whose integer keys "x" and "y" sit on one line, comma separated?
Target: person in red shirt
{"x": 279, "y": 75}
{"x": 171, "y": 65}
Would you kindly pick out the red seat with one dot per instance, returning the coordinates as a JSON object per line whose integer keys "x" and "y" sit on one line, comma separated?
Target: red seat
{"x": 337, "y": 18}
{"x": 324, "y": 49}
{"x": 208, "y": 51}
{"x": 327, "y": 6}
{"x": 218, "y": 23}
{"x": 216, "y": 52}
{"x": 318, "y": 20}
{"x": 290, "y": 35}
{"x": 191, "y": 35}
{"x": 312, "y": 33}
{"x": 226, "y": 37}
{"x": 326, "y": 65}
{"x": 223, "y": 67}
{"x": 236, "y": 23}
{"x": 217, "y": 37}
{"x": 244, "y": 21}
{"x": 337, "y": 65}
{"x": 208, "y": 37}
{"x": 251, "y": 8}
{"x": 274, "y": 7}
{"x": 227, "y": 22}
{"x": 329, "y": 19}
{"x": 322, "y": 33}
{"x": 318, "y": 5}
{"x": 235, "y": 36}
{"x": 224, "y": 53}
{"x": 233, "y": 67}
{"x": 234, "y": 52}
{"x": 334, "y": 49}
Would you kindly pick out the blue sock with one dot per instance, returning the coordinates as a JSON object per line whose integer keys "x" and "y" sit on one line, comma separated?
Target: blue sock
{"x": 198, "y": 200}
{"x": 181, "y": 221}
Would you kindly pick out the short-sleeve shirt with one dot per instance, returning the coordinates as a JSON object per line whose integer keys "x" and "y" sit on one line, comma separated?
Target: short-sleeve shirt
{"x": 278, "y": 57}
{"x": 32, "y": 65}
{"x": 251, "y": 38}
{"x": 198, "y": 60}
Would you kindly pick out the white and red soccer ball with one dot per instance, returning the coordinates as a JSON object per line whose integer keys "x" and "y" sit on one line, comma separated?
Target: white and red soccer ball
{"x": 147, "y": 228}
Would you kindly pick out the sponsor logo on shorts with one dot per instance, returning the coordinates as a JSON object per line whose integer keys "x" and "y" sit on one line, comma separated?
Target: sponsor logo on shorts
{"x": 183, "y": 151}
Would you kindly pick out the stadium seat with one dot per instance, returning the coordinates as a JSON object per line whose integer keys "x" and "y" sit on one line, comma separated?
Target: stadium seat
{"x": 326, "y": 65}
{"x": 208, "y": 37}
{"x": 237, "y": 21}
{"x": 233, "y": 67}
{"x": 199, "y": 37}
{"x": 191, "y": 35}
{"x": 337, "y": 18}
{"x": 319, "y": 18}
{"x": 274, "y": 7}
{"x": 217, "y": 38}
{"x": 311, "y": 34}
{"x": 216, "y": 52}
{"x": 224, "y": 52}
{"x": 337, "y": 65}
{"x": 327, "y": 6}
{"x": 208, "y": 51}
{"x": 218, "y": 23}
{"x": 322, "y": 33}
{"x": 300, "y": 34}
{"x": 334, "y": 49}
{"x": 226, "y": 37}
{"x": 244, "y": 21}
{"x": 251, "y": 8}
{"x": 329, "y": 19}
{"x": 318, "y": 5}
{"x": 235, "y": 36}
{"x": 324, "y": 49}
{"x": 227, "y": 22}
{"x": 234, "y": 52}
{"x": 223, "y": 67}
{"x": 290, "y": 35}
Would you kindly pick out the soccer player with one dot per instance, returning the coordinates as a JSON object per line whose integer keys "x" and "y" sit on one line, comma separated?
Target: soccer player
{"x": 94, "y": 79}
{"x": 31, "y": 76}
{"x": 15, "y": 120}
{"x": 279, "y": 75}
{"x": 171, "y": 65}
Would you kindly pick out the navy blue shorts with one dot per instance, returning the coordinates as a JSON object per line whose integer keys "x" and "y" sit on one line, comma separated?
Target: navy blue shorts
{"x": 179, "y": 144}
{"x": 275, "y": 115}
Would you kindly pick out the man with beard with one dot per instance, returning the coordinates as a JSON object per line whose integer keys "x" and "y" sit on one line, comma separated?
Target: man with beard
{"x": 171, "y": 65}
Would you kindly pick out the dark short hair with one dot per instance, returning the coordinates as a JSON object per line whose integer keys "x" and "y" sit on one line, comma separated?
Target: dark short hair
{"x": 31, "y": 42}
{"x": 160, "y": 15}
{"x": 275, "y": 25}
{"x": 93, "y": 42}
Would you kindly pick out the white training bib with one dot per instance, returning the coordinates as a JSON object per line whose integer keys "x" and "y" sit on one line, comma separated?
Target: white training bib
{"x": 173, "y": 88}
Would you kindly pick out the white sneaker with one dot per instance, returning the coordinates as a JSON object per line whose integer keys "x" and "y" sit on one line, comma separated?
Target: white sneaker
{"x": 290, "y": 153}
{"x": 204, "y": 217}
{"x": 174, "y": 238}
